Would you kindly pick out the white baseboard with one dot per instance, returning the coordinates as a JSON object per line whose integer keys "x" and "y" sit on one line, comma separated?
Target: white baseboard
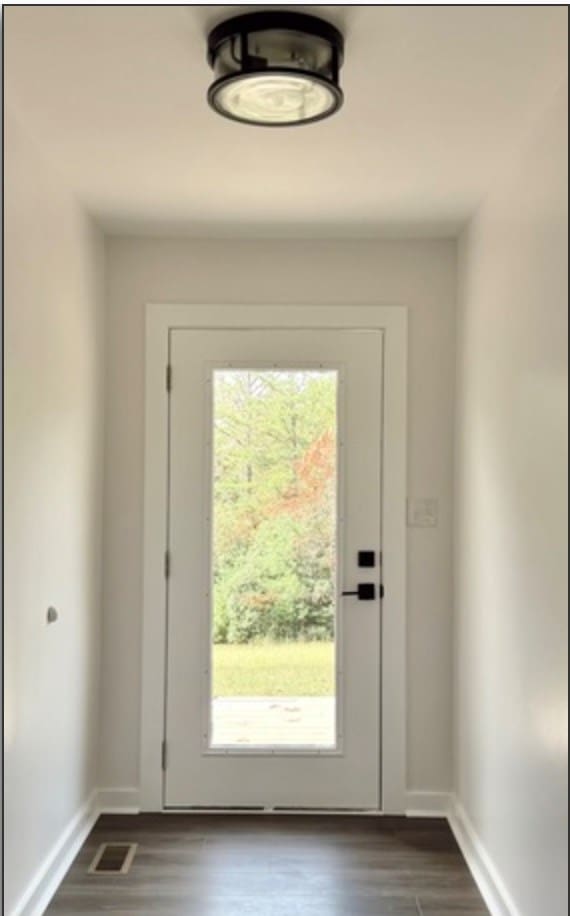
{"x": 427, "y": 804}
{"x": 118, "y": 801}
{"x": 490, "y": 884}
{"x": 49, "y": 875}
{"x": 51, "y": 872}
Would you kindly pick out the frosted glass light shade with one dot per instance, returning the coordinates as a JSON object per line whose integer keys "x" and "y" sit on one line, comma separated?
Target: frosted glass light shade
{"x": 274, "y": 98}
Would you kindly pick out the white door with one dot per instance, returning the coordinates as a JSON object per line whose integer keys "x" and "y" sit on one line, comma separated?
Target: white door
{"x": 273, "y": 675}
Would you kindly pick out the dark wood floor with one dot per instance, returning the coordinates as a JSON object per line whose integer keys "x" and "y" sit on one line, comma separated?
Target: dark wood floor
{"x": 219, "y": 865}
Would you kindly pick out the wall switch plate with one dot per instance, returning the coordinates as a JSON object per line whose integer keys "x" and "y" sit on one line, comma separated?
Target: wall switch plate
{"x": 423, "y": 513}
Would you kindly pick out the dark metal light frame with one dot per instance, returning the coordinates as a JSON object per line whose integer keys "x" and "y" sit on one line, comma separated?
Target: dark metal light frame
{"x": 238, "y": 30}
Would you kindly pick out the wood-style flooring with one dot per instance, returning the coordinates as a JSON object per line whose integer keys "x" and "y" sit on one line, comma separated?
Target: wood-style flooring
{"x": 287, "y": 865}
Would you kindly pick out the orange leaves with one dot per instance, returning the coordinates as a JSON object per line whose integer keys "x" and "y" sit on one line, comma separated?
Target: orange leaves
{"x": 314, "y": 472}
{"x": 316, "y": 467}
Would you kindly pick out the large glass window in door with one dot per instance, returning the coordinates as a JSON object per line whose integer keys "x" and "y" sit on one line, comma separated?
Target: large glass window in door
{"x": 274, "y": 558}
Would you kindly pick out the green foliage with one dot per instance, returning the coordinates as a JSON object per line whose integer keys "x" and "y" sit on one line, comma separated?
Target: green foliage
{"x": 274, "y": 495}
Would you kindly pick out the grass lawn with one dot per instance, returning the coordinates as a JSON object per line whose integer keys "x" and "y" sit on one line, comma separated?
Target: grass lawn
{"x": 289, "y": 669}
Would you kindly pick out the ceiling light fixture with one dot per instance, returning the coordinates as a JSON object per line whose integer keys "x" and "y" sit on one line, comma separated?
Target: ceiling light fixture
{"x": 275, "y": 68}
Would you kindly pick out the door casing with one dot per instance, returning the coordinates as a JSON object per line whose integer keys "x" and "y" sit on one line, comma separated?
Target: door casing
{"x": 160, "y": 320}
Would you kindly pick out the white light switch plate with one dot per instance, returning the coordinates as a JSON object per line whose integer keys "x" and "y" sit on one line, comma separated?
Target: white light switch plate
{"x": 423, "y": 513}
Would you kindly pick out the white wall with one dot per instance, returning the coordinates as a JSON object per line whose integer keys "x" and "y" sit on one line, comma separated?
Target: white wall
{"x": 421, "y": 275}
{"x": 53, "y": 495}
{"x": 511, "y": 539}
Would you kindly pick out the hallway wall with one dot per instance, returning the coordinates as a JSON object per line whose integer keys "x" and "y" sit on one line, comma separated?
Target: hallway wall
{"x": 511, "y": 668}
{"x": 54, "y": 372}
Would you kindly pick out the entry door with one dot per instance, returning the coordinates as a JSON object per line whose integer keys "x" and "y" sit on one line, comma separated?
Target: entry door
{"x": 273, "y": 663}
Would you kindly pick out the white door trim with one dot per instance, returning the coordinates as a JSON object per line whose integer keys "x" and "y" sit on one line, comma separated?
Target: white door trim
{"x": 160, "y": 319}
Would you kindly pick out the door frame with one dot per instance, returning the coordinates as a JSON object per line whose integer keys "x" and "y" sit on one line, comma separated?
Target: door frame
{"x": 160, "y": 320}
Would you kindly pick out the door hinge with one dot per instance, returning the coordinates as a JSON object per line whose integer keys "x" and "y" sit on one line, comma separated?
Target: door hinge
{"x": 163, "y": 755}
{"x": 169, "y": 378}
{"x": 166, "y": 564}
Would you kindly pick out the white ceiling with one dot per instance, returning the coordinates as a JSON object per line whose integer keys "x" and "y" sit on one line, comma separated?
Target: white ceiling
{"x": 437, "y": 99}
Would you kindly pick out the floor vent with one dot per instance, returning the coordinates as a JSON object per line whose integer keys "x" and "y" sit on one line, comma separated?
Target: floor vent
{"x": 113, "y": 859}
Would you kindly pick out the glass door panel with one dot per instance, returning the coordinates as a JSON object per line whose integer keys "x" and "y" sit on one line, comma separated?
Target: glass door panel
{"x": 274, "y": 558}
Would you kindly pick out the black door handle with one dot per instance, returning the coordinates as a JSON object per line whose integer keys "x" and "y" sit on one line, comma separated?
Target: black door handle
{"x": 365, "y": 591}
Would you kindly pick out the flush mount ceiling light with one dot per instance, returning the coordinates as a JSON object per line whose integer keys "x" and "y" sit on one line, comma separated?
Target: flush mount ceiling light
{"x": 275, "y": 68}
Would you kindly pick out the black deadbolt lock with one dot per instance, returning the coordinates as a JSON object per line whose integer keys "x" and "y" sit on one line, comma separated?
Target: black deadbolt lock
{"x": 366, "y": 558}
